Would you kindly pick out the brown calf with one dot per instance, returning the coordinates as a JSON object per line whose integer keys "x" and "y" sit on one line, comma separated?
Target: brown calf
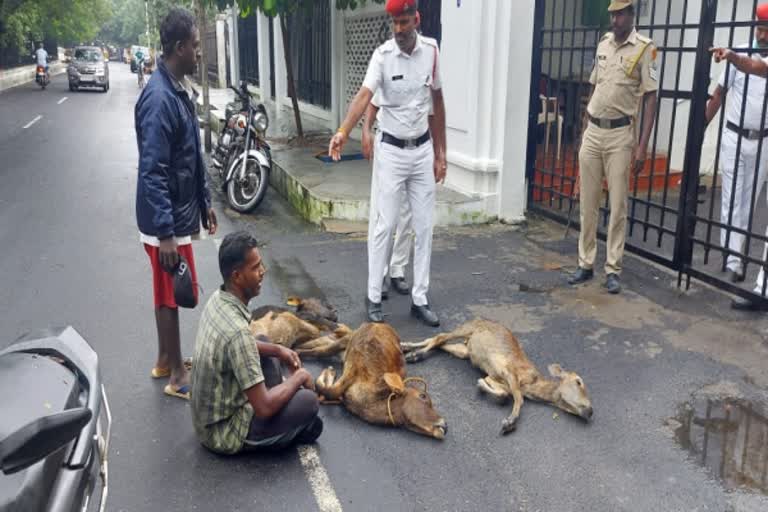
{"x": 374, "y": 386}
{"x": 497, "y": 352}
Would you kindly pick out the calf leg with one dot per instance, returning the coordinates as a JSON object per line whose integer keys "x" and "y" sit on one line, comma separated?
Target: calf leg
{"x": 330, "y": 390}
{"x": 322, "y": 347}
{"x": 459, "y": 350}
{"x": 494, "y": 389}
{"x": 417, "y": 351}
{"x": 510, "y": 422}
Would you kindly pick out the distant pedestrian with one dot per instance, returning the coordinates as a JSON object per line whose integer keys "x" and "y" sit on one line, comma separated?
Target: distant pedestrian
{"x": 172, "y": 197}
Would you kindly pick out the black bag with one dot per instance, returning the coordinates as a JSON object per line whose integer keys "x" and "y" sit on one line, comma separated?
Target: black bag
{"x": 183, "y": 288}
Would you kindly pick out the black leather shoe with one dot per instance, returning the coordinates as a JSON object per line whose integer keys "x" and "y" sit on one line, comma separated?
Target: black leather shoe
{"x": 613, "y": 284}
{"x": 425, "y": 314}
{"x": 400, "y": 286}
{"x": 742, "y": 304}
{"x": 736, "y": 277}
{"x": 582, "y": 275}
{"x": 374, "y": 311}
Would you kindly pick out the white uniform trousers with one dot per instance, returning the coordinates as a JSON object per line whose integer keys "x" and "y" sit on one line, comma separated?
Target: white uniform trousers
{"x": 403, "y": 244}
{"x": 401, "y": 176}
{"x": 742, "y": 195}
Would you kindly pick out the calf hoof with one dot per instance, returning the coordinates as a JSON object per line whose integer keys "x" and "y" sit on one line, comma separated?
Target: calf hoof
{"x": 507, "y": 427}
{"x": 413, "y": 357}
{"x": 326, "y": 378}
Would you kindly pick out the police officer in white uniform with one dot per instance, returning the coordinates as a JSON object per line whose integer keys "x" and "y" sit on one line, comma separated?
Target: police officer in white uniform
{"x": 403, "y": 243}
{"x": 409, "y": 159}
{"x": 744, "y": 173}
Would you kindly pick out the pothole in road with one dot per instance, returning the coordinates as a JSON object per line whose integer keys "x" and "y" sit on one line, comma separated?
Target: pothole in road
{"x": 728, "y": 436}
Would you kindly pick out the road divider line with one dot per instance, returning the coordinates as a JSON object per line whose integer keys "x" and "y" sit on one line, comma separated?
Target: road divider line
{"x": 32, "y": 122}
{"x": 325, "y": 496}
{"x": 62, "y": 100}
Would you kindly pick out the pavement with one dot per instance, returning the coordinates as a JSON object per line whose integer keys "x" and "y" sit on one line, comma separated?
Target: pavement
{"x": 329, "y": 192}
{"x": 650, "y": 357}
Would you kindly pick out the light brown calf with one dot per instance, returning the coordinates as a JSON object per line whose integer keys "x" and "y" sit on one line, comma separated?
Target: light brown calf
{"x": 497, "y": 352}
{"x": 373, "y": 384}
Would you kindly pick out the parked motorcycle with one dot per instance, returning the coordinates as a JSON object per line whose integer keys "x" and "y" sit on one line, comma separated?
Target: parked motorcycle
{"x": 242, "y": 156}
{"x": 54, "y": 427}
{"x": 42, "y": 77}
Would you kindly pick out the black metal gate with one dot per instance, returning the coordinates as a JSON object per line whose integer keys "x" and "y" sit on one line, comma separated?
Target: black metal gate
{"x": 248, "y": 48}
{"x": 674, "y": 211}
{"x": 310, "y": 31}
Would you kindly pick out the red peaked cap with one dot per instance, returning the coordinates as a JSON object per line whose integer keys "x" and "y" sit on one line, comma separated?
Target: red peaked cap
{"x": 400, "y": 7}
{"x": 762, "y": 12}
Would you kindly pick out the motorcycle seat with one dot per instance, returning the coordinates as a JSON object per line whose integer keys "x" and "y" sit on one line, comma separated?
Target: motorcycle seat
{"x": 33, "y": 386}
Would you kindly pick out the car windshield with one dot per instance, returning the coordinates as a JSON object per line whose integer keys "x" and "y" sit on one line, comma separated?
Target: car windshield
{"x": 88, "y": 55}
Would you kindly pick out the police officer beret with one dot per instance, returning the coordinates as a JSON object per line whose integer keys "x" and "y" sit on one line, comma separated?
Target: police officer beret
{"x": 761, "y": 13}
{"x": 619, "y": 5}
{"x": 400, "y": 7}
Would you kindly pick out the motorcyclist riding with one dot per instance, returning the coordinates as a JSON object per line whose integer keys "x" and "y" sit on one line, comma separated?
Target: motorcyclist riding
{"x": 42, "y": 58}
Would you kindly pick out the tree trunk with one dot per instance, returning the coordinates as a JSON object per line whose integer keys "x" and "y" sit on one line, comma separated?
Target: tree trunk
{"x": 289, "y": 69}
{"x": 204, "y": 76}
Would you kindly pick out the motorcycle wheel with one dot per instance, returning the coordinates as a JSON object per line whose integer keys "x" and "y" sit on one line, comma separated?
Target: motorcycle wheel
{"x": 244, "y": 197}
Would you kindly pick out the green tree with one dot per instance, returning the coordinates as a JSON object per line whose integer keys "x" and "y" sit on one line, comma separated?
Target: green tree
{"x": 284, "y": 9}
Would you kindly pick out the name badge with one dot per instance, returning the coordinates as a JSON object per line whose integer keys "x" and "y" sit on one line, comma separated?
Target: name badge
{"x": 397, "y": 77}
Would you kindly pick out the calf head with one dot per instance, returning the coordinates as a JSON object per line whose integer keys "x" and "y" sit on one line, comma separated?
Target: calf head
{"x": 410, "y": 406}
{"x": 571, "y": 393}
{"x": 314, "y": 308}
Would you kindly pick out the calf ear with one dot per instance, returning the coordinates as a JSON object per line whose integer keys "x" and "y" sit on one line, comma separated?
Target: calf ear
{"x": 555, "y": 370}
{"x": 294, "y": 301}
{"x": 395, "y": 382}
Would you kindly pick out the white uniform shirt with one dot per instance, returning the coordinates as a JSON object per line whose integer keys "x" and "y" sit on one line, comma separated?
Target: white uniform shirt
{"x": 755, "y": 97}
{"x": 403, "y": 86}
{"x": 42, "y": 57}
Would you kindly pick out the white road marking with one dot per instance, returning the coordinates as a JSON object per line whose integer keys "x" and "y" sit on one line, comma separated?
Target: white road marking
{"x": 325, "y": 496}
{"x": 32, "y": 122}
{"x": 62, "y": 100}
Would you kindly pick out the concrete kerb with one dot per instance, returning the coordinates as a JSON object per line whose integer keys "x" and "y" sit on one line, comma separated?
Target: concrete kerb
{"x": 10, "y": 78}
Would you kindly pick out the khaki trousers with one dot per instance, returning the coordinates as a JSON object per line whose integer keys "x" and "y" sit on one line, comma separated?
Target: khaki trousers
{"x": 605, "y": 154}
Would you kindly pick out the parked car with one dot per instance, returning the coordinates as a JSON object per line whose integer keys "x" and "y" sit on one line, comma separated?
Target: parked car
{"x": 88, "y": 68}
{"x": 134, "y": 49}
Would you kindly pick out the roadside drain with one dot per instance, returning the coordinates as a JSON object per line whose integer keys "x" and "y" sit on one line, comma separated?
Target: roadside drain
{"x": 729, "y": 437}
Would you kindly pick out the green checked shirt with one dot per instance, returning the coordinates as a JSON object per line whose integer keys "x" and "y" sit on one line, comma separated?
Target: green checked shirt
{"x": 226, "y": 363}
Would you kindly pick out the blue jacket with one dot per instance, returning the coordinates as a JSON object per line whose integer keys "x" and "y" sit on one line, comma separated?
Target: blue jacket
{"x": 172, "y": 194}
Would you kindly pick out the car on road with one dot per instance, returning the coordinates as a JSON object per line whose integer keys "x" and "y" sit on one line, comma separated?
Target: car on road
{"x": 88, "y": 68}
{"x": 134, "y": 49}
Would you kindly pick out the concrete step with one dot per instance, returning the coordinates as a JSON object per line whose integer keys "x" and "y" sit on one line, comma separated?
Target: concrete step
{"x": 322, "y": 192}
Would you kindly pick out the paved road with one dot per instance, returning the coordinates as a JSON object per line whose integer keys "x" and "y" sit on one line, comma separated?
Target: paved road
{"x": 71, "y": 256}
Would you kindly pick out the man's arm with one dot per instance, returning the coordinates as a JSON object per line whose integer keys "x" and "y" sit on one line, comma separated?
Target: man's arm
{"x": 266, "y": 402}
{"x": 370, "y": 116}
{"x": 355, "y": 112}
{"x": 714, "y": 103}
{"x": 742, "y": 62}
{"x": 649, "y": 116}
{"x": 437, "y": 128}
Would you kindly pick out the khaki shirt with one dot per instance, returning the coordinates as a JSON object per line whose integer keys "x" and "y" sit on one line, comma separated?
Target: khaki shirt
{"x": 622, "y": 75}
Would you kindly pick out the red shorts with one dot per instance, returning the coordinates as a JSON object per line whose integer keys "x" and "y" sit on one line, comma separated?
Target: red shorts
{"x": 162, "y": 280}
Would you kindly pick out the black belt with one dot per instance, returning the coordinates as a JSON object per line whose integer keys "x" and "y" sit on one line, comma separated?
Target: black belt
{"x": 609, "y": 124}
{"x": 405, "y": 143}
{"x": 747, "y": 134}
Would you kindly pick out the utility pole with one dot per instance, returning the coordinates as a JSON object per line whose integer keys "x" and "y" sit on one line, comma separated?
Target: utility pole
{"x": 204, "y": 72}
{"x": 146, "y": 21}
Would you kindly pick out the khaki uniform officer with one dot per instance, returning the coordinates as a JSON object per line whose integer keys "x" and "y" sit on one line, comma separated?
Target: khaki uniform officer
{"x": 623, "y": 77}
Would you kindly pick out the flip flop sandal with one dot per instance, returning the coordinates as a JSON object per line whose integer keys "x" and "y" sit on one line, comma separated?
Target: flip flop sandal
{"x": 178, "y": 392}
{"x": 161, "y": 373}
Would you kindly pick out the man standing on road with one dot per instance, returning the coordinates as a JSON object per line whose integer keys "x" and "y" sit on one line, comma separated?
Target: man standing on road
{"x": 745, "y": 135}
{"x": 403, "y": 243}
{"x": 405, "y": 70}
{"x": 239, "y": 398}
{"x": 748, "y": 64}
{"x": 172, "y": 197}
{"x": 623, "y": 77}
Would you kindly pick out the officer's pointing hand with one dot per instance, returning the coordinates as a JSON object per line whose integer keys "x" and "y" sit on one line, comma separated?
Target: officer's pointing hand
{"x": 334, "y": 148}
{"x": 720, "y": 54}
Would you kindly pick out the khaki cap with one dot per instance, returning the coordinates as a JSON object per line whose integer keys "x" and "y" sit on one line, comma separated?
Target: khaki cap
{"x": 619, "y": 5}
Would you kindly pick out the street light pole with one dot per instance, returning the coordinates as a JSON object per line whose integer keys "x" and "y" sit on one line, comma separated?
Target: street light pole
{"x": 204, "y": 77}
{"x": 146, "y": 20}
